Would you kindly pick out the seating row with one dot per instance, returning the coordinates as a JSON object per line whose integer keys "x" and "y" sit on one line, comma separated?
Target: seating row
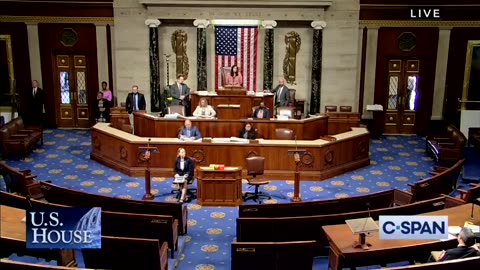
{"x": 306, "y": 228}
{"x": 20, "y": 181}
{"x": 16, "y": 139}
{"x": 70, "y": 197}
{"x": 117, "y": 230}
{"x": 447, "y": 148}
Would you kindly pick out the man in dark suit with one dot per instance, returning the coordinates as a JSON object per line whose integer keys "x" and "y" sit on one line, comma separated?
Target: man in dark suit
{"x": 180, "y": 92}
{"x": 135, "y": 102}
{"x": 37, "y": 99}
{"x": 261, "y": 112}
{"x": 465, "y": 248}
{"x": 189, "y": 132}
{"x": 282, "y": 95}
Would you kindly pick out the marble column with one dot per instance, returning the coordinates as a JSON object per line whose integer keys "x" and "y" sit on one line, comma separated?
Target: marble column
{"x": 440, "y": 72}
{"x": 155, "y": 94}
{"x": 201, "y": 53}
{"x": 102, "y": 54}
{"x": 34, "y": 52}
{"x": 268, "y": 54}
{"x": 370, "y": 70}
{"x": 316, "y": 66}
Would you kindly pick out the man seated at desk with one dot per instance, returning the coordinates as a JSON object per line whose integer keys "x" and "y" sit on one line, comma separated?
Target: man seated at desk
{"x": 261, "y": 112}
{"x": 466, "y": 247}
{"x": 248, "y": 132}
{"x": 204, "y": 110}
{"x": 189, "y": 132}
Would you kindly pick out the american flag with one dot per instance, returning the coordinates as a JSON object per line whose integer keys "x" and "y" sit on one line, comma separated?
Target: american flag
{"x": 237, "y": 45}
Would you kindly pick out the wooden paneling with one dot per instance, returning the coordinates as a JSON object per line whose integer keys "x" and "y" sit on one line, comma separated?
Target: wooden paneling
{"x": 321, "y": 161}
{"x": 50, "y": 46}
{"x": 425, "y": 51}
{"x": 306, "y": 129}
{"x": 21, "y": 60}
{"x": 459, "y": 38}
{"x": 74, "y": 8}
{"x": 221, "y": 105}
{"x": 339, "y": 122}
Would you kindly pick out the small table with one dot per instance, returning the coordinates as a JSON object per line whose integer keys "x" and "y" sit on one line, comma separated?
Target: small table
{"x": 219, "y": 187}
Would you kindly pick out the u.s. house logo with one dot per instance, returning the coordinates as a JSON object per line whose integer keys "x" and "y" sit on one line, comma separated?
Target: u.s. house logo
{"x": 64, "y": 228}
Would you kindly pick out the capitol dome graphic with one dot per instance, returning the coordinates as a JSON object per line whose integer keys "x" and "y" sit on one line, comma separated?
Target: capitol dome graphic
{"x": 91, "y": 221}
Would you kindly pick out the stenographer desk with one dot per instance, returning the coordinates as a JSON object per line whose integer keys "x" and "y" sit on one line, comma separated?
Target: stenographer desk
{"x": 14, "y": 240}
{"x": 341, "y": 238}
{"x": 148, "y": 125}
{"x": 323, "y": 159}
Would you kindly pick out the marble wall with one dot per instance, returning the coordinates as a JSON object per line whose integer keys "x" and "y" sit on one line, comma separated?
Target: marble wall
{"x": 340, "y": 46}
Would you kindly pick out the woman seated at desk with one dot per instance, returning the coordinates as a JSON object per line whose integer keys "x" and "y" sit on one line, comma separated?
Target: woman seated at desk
{"x": 248, "y": 132}
{"x": 204, "y": 110}
{"x": 184, "y": 166}
{"x": 234, "y": 78}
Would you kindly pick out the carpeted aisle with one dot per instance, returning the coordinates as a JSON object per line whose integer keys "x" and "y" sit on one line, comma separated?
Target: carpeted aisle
{"x": 64, "y": 159}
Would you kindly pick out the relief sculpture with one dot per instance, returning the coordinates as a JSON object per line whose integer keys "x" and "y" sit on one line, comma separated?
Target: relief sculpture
{"x": 292, "y": 43}
{"x": 179, "y": 47}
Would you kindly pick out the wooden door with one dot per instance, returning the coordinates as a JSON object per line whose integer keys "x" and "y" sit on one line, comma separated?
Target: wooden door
{"x": 403, "y": 95}
{"x": 71, "y": 93}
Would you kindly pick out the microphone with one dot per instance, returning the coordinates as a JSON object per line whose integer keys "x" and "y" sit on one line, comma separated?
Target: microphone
{"x": 471, "y": 213}
{"x": 29, "y": 201}
{"x": 368, "y": 208}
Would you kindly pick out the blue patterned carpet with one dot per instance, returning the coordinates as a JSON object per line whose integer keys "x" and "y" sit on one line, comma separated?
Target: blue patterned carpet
{"x": 64, "y": 159}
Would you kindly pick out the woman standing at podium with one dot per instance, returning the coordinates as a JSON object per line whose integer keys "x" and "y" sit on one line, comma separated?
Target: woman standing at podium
{"x": 234, "y": 78}
{"x": 204, "y": 110}
{"x": 184, "y": 167}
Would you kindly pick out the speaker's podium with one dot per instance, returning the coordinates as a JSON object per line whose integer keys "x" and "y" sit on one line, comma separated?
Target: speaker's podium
{"x": 362, "y": 227}
{"x": 219, "y": 186}
{"x": 230, "y": 90}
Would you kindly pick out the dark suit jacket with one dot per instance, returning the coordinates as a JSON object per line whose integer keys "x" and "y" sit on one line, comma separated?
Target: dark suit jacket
{"x": 37, "y": 101}
{"x": 194, "y": 132}
{"x": 251, "y": 135}
{"x": 188, "y": 168}
{"x": 284, "y": 96}
{"x": 175, "y": 93}
{"x": 266, "y": 113}
{"x": 106, "y": 113}
{"x": 130, "y": 100}
{"x": 460, "y": 253}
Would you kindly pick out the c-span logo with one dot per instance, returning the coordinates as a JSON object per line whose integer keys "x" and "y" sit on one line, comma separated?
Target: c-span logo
{"x": 64, "y": 228}
{"x": 413, "y": 227}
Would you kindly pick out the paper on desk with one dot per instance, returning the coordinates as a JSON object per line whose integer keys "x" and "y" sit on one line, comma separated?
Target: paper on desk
{"x": 474, "y": 228}
{"x": 454, "y": 230}
{"x": 450, "y": 237}
{"x": 24, "y": 220}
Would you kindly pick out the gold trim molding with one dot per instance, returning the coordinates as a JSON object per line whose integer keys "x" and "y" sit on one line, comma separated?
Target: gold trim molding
{"x": 57, "y": 19}
{"x": 414, "y": 23}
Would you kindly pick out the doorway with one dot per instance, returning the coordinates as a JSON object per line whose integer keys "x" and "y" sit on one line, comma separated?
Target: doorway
{"x": 71, "y": 93}
{"x": 403, "y": 95}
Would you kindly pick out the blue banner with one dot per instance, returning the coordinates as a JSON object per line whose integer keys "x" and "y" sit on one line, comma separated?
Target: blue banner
{"x": 64, "y": 228}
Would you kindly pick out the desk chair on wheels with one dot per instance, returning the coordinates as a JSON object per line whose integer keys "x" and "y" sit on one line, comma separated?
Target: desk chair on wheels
{"x": 255, "y": 167}
{"x": 191, "y": 191}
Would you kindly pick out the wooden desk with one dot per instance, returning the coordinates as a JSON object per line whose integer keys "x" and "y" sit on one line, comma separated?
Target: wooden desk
{"x": 342, "y": 254}
{"x": 13, "y": 239}
{"x": 233, "y": 106}
{"x": 323, "y": 159}
{"x": 147, "y": 125}
{"x": 219, "y": 188}
{"x": 339, "y": 122}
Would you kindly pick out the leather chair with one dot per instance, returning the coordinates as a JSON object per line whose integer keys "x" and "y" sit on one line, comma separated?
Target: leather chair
{"x": 255, "y": 168}
{"x": 176, "y": 109}
{"x": 286, "y": 109}
{"x": 330, "y": 108}
{"x": 191, "y": 190}
{"x": 283, "y": 134}
{"x": 292, "y": 102}
{"x": 254, "y": 108}
{"x": 345, "y": 108}
{"x": 224, "y": 72}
